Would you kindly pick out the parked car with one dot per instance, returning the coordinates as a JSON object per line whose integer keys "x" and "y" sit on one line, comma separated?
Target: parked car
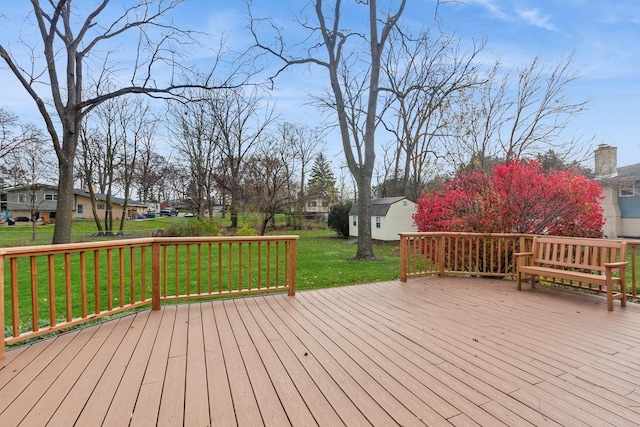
{"x": 150, "y": 215}
{"x": 22, "y": 219}
{"x": 168, "y": 212}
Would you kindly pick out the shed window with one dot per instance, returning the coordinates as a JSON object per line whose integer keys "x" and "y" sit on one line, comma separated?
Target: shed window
{"x": 626, "y": 189}
{"x": 378, "y": 222}
{"x": 355, "y": 220}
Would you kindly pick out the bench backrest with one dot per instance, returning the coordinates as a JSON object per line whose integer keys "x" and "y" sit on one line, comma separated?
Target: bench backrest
{"x": 578, "y": 253}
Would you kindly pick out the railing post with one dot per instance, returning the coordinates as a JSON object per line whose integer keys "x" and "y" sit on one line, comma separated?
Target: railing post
{"x": 441, "y": 255}
{"x": 2, "y": 305}
{"x": 292, "y": 267}
{"x": 155, "y": 276}
{"x": 403, "y": 257}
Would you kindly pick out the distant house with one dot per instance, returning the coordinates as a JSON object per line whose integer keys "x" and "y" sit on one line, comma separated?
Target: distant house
{"x": 621, "y": 188}
{"x": 389, "y": 216}
{"x": 316, "y": 208}
{"x": 43, "y": 198}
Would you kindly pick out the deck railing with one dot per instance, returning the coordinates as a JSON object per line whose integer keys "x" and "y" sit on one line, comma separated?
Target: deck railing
{"x": 481, "y": 255}
{"x": 53, "y": 287}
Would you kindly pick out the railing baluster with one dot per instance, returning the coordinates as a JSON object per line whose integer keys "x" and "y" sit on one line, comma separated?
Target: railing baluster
{"x": 176, "y": 271}
{"x": 220, "y": 267}
{"x": 259, "y": 265}
{"x": 52, "y": 291}
{"x": 199, "y": 268}
{"x": 132, "y": 277}
{"x": 143, "y": 274}
{"x": 83, "y": 283}
{"x": 249, "y": 266}
{"x": 96, "y": 278}
{"x": 188, "y": 268}
{"x": 239, "y": 266}
{"x": 15, "y": 312}
{"x": 96, "y": 257}
{"x": 34, "y": 293}
{"x": 120, "y": 277}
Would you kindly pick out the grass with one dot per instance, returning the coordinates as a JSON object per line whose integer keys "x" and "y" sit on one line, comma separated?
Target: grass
{"x": 324, "y": 260}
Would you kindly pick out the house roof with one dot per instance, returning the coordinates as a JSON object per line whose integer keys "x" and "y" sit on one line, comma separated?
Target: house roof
{"x": 103, "y": 197}
{"x": 81, "y": 192}
{"x": 379, "y": 207}
{"x": 630, "y": 171}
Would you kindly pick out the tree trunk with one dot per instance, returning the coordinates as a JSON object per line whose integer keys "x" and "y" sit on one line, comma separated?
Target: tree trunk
{"x": 365, "y": 244}
{"x": 65, "y": 204}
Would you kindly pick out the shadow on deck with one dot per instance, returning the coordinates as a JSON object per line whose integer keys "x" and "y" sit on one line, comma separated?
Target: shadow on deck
{"x": 432, "y": 351}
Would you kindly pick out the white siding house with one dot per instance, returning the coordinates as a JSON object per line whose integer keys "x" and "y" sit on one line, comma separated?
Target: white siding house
{"x": 389, "y": 216}
{"x": 621, "y": 191}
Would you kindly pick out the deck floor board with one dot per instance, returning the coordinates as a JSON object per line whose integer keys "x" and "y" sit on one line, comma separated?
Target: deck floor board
{"x": 432, "y": 351}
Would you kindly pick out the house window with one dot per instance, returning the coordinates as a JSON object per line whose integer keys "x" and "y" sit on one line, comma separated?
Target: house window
{"x": 325, "y": 204}
{"x": 51, "y": 197}
{"x": 100, "y": 206}
{"x": 378, "y": 222}
{"x": 355, "y": 220}
{"x": 626, "y": 189}
{"x": 22, "y": 198}
{"x": 312, "y": 204}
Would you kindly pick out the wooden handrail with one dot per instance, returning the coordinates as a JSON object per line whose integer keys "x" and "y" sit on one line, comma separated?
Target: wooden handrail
{"x": 82, "y": 282}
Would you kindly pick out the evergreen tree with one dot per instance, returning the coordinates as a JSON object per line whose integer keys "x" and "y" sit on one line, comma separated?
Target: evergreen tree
{"x": 322, "y": 182}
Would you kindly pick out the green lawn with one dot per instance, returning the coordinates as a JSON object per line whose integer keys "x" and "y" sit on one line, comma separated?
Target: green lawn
{"x": 324, "y": 260}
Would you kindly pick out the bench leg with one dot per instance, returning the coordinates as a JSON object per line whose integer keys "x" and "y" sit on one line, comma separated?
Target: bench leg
{"x": 609, "y": 297}
{"x": 533, "y": 281}
{"x": 519, "y": 281}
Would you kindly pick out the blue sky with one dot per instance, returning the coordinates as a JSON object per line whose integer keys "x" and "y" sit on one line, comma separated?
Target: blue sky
{"x": 605, "y": 36}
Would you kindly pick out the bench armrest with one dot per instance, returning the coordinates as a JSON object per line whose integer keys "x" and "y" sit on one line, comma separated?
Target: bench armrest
{"x": 618, "y": 264}
{"x": 518, "y": 254}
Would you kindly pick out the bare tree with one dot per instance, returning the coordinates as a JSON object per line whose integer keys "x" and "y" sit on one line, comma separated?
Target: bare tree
{"x": 140, "y": 131}
{"x": 268, "y": 181}
{"x": 91, "y": 167}
{"x": 344, "y": 51}
{"x": 516, "y": 114}
{"x": 425, "y": 76}
{"x": 305, "y": 143}
{"x": 9, "y": 124}
{"x": 196, "y": 143}
{"x": 148, "y": 172}
{"x": 28, "y": 166}
{"x": 242, "y": 120}
{"x": 73, "y": 41}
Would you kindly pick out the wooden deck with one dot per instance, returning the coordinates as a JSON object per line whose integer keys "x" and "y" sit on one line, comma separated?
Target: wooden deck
{"x": 432, "y": 351}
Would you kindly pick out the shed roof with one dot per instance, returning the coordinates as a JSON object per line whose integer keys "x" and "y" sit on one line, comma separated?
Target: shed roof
{"x": 379, "y": 207}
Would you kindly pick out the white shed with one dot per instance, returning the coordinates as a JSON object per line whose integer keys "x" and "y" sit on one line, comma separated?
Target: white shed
{"x": 389, "y": 216}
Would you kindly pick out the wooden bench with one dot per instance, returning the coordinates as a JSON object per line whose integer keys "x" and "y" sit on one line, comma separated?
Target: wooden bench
{"x": 577, "y": 262}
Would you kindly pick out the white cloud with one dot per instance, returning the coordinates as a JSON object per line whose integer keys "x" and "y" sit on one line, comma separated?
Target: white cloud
{"x": 491, "y": 6}
{"x": 533, "y": 17}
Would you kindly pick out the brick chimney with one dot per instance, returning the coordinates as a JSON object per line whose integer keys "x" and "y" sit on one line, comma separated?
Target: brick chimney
{"x": 606, "y": 161}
